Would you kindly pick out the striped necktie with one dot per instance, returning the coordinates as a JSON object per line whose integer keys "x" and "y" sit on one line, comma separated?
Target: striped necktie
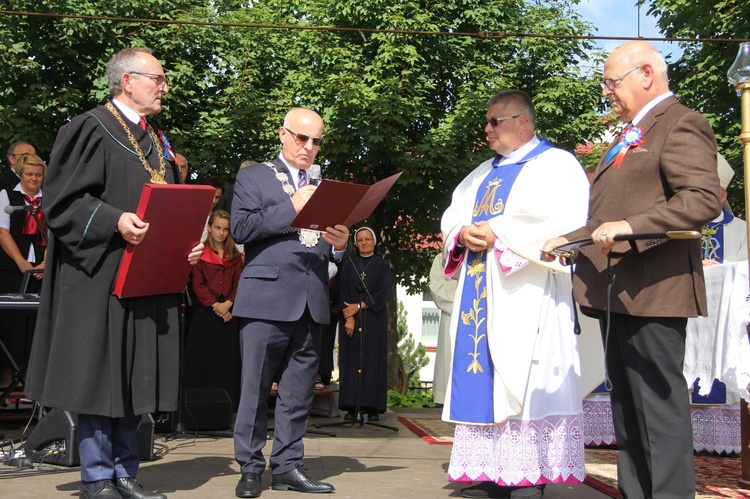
{"x": 301, "y": 179}
{"x": 142, "y": 123}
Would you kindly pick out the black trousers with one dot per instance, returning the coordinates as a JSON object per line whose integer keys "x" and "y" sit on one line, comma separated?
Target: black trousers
{"x": 650, "y": 406}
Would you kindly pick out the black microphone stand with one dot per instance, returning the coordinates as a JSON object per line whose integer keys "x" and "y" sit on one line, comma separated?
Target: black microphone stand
{"x": 359, "y": 417}
{"x": 179, "y": 427}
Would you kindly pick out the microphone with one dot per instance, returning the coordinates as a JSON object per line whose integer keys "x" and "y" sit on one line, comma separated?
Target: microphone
{"x": 12, "y": 209}
{"x": 313, "y": 175}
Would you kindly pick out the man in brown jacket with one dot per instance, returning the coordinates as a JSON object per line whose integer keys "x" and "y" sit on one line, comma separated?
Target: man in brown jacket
{"x": 659, "y": 175}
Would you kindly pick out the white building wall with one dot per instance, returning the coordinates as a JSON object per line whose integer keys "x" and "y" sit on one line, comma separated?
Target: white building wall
{"x": 414, "y": 305}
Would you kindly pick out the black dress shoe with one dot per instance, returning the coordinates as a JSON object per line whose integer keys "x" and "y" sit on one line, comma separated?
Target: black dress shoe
{"x": 249, "y": 485}
{"x": 298, "y": 479}
{"x": 533, "y": 492}
{"x": 129, "y": 488}
{"x": 349, "y": 416}
{"x": 489, "y": 490}
{"x": 103, "y": 489}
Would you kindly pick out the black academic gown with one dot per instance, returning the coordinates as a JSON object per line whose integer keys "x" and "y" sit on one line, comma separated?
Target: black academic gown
{"x": 94, "y": 353}
{"x": 374, "y": 388}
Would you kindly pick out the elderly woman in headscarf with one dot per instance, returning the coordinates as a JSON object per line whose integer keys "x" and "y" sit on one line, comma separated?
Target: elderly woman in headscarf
{"x": 365, "y": 285}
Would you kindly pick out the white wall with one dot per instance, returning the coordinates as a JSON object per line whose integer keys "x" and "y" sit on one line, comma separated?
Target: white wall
{"x": 413, "y": 305}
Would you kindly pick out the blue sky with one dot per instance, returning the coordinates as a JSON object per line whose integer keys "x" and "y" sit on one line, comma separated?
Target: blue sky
{"x": 621, "y": 18}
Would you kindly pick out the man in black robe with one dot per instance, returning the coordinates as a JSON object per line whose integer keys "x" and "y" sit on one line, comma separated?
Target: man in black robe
{"x": 110, "y": 360}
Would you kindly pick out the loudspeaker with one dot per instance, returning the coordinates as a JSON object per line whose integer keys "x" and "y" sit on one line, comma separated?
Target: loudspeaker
{"x": 54, "y": 439}
{"x": 206, "y": 409}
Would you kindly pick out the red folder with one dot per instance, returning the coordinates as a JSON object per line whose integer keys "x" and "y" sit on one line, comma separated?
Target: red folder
{"x": 342, "y": 203}
{"x": 176, "y": 215}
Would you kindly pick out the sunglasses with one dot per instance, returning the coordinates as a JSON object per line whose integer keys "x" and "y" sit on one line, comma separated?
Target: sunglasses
{"x": 302, "y": 139}
{"x": 496, "y": 121}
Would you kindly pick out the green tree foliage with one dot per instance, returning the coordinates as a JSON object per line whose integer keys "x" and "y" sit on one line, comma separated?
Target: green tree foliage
{"x": 699, "y": 77}
{"x": 391, "y": 101}
{"x": 398, "y": 91}
{"x": 415, "y": 103}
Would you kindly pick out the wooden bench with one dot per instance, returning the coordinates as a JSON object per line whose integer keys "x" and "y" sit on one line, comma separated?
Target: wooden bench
{"x": 326, "y": 392}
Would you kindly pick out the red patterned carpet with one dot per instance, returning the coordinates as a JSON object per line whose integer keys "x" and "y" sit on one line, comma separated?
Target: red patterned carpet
{"x": 716, "y": 476}
{"x": 432, "y": 430}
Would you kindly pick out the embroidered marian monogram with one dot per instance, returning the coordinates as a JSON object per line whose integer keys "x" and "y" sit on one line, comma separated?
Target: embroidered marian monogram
{"x": 490, "y": 204}
{"x": 307, "y": 237}
{"x": 710, "y": 244}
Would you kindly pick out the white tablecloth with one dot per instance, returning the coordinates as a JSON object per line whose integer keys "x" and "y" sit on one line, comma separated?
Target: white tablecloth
{"x": 716, "y": 428}
{"x": 717, "y": 347}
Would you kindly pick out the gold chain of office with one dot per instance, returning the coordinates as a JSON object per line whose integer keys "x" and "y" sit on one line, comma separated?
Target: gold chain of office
{"x": 157, "y": 177}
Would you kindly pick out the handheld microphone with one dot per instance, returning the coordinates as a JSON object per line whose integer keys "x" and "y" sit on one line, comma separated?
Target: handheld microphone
{"x": 12, "y": 209}
{"x": 313, "y": 175}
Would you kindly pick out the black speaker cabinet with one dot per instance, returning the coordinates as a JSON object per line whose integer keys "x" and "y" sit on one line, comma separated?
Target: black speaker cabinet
{"x": 206, "y": 409}
{"x": 54, "y": 439}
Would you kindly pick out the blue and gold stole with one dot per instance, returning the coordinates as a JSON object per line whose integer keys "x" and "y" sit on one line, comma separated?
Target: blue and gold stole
{"x": 472, "y": 375}
{"x": 712, "y": 238}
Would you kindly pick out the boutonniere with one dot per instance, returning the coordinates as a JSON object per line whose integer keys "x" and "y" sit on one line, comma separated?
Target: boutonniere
{"x": 168, "y": 154}
{"x": 631, "y": 137}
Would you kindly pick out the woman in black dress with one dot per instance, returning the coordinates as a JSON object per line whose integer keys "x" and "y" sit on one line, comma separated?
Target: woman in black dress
{"x": 22, "y": 248}
{"x": 365, "y": 285}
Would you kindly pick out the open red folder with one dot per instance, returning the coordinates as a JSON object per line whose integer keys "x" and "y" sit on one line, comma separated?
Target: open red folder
{"x": 342, "y": 203}
{"x": 176, "y": 215}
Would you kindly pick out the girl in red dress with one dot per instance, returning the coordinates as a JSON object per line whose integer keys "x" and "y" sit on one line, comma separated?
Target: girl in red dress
{"x": 213, "y": 351}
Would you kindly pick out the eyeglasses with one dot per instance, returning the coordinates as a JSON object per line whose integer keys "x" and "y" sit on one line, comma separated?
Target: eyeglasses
{"x": 496, "y": 121}
{"x": 302, "y": 139}
{"x": 158, "y": 79}
{"x": 611, "y": 83}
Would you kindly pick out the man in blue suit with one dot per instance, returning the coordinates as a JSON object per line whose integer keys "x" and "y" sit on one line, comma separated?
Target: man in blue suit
{"x": 282, "y": 303}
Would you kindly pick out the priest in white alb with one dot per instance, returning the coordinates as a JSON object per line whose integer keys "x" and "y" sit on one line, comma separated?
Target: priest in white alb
{"x": 514, "y": 389}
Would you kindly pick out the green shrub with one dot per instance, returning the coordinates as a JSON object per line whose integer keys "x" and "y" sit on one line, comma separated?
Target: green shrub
{"x": 413, "y": 355}
{"x": 412, "y": 398}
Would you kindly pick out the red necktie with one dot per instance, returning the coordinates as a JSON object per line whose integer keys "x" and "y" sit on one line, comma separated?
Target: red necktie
{"x": 142, "y": 123}
{"x": 29, "y": 224}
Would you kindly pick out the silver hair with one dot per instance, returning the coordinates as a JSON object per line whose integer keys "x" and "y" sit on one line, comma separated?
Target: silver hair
{"x": 124, "y": 61}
